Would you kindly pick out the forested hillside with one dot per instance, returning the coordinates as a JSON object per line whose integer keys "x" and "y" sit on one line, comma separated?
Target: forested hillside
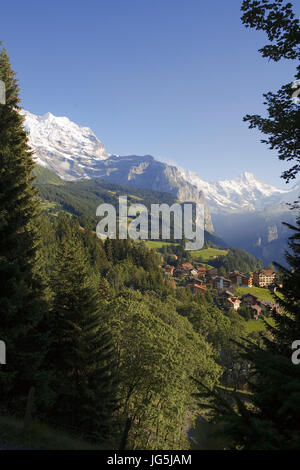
{"x": 125, "y": 344}
{"x": 113, "y": 352}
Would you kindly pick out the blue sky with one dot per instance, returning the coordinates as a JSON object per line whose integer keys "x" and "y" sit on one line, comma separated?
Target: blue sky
{"x": 163, "y": 77}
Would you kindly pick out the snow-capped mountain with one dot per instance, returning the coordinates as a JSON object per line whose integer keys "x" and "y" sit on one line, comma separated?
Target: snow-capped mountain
{"x": 63, "y": 146}
{"x": 242, "y": 194}
{"x": 75, "y": 152}
{"x": 246, "y": 212}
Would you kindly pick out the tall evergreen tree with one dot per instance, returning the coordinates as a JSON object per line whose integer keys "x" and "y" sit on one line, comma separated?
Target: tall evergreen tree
{"x": 21, "y": 304}
{"x": 81, "y": 356}
{"x": 281, "y": 126}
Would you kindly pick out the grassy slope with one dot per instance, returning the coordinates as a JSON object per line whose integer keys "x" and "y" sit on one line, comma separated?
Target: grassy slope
{"x": 262, "y": 294}
{"x": 157, "y": 244}
{"x": 258, "y": 325}
{"x": 82, "y": 197}
{"x": 200, "y": 255}
{"x": 41, "y": 437}
{"x": 43, "y": 176}
{"x": 207, "y": 254}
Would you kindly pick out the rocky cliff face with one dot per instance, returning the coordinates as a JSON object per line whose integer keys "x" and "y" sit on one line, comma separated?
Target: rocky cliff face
{"x": 74, "y": 152}
{"x": 239, "y": 207}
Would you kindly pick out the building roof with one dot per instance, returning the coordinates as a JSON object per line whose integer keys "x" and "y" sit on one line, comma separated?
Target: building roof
{"x": 250, "y": 295}
{"x": 198, "y": 286}
{"x": 237, "y": 273}
{"x": 266, "y": 272}
{"x": 187, "y": 266}
{"x": 228, "y": 293}
{"x": 233, "y": 300}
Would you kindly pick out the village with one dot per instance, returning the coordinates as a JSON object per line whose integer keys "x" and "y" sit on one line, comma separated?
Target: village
{"x": 200, "y": 279}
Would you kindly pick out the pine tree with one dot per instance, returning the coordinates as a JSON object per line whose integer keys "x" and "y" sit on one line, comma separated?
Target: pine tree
{"x": 81, "y": 355}
{"x": 105, "y": 291}
{"x": 21, "y": 303}
{"x": 287, "y": 325}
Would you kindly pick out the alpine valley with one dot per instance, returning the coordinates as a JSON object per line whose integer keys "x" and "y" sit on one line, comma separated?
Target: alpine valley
{"x": 243, "y": 212}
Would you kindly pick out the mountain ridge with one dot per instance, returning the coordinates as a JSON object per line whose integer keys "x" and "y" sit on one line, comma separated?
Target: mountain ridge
{"x": 244, "y": 211}
{"x": 241, "y": 194}
{"x": 74, "y": 152}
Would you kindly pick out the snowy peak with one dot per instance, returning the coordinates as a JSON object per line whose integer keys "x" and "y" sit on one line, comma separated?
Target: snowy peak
{"x": 249, "y": 180}
{"x": 74, "y": 151}
{"x": 241, "y": 194}
{"x": 62, "y": 145}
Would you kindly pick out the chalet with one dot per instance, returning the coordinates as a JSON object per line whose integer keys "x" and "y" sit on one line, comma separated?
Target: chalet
{"x": 221, "y": 283}
{"x": 264, "y": 277}
{"x": 253, "y": 301}
{"x": 201, "y": 271}
{"x": 249, "y": 299}
{"x": 240, "y": 279}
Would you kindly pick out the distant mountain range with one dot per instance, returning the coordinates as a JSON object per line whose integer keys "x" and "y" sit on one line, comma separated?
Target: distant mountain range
{"x": 246, "y": 212}
{"x": 245, "y": 193}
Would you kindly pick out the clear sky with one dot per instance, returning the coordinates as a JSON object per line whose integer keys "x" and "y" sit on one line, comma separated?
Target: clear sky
{"x": 170, "y": 78}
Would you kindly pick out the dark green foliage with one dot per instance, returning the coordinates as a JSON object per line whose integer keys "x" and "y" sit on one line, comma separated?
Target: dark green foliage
{"x": 207, "y": 320}
{"x": 287, "y": 326}
{"x": 106, "y": 341}
{"x": 281, "y": 126}
{"x": 81, "y": 356}
{"x": 246, "y": 312}
{"x": 270, "y": 419}
{"x": 21, "y": 291}
{"x": 158, "y": 353}
{"x": 237, "y": 259}
{"x": 278, "y": 20}
{"x": 82, "y": 197}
